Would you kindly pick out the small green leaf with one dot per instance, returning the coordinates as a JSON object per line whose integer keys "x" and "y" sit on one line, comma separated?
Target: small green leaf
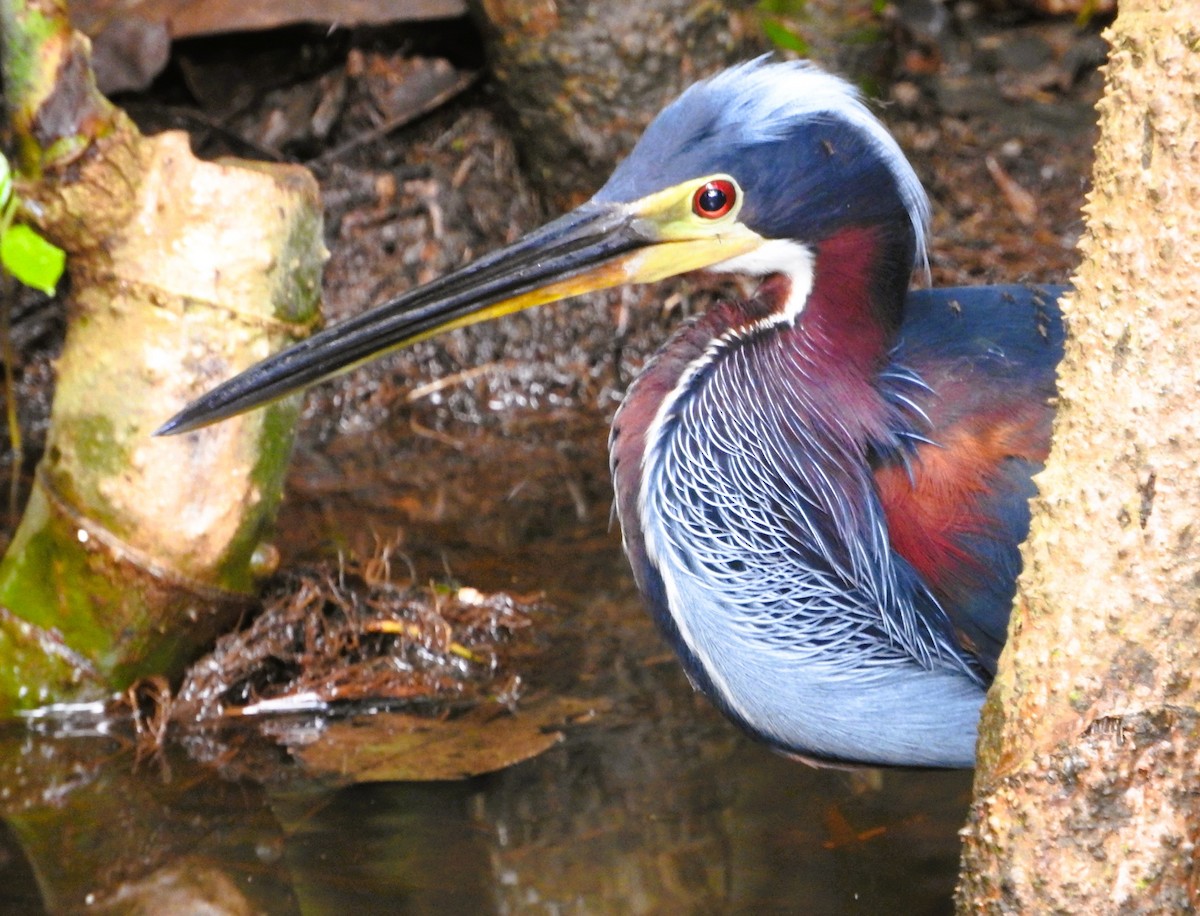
{"x": 784, "y": 37}
{"x": 31, "y": 259}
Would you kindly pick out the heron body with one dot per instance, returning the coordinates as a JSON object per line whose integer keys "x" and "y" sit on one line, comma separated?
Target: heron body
{"x": 822, "y": 489}
{"x": 832, "y": 545}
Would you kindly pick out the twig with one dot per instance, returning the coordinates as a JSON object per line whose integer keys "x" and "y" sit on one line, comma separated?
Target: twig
{"x": 458, "y": 378}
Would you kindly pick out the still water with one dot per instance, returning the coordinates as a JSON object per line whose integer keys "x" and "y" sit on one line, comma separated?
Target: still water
{"x": 653, "y": 805}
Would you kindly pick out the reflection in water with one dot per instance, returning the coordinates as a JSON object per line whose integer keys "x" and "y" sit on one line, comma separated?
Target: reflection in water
{"x": 395, "y": 848}
{"x": 105, "y": 832}
{"x": 18, "y": 887}
{"x": 587, "y": 829}
{"x": 659, "y": 816}
{"x": 658, "y": 806}
{"x": 746, "y": 834}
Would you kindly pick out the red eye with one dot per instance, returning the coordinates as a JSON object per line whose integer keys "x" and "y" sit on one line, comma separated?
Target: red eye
{"x": 714, "y": 199}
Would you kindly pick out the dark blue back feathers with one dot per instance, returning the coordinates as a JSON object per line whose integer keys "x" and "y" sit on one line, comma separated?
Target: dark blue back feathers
{"x": 958, "y": 509}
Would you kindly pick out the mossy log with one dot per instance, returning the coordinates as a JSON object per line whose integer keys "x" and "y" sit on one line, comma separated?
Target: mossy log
{"x": 135, "y": 552}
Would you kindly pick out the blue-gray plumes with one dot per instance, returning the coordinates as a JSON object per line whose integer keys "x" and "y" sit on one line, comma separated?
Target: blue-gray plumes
{"x": 753, "y": 514}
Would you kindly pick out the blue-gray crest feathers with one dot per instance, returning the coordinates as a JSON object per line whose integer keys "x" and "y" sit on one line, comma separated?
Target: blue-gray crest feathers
{"x": 756, "y": 106}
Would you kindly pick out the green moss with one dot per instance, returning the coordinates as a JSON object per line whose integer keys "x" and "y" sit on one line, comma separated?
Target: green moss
{"x": 97, "y": 446}
{"x": 25, "y": 32}
{"x": 268, "y": 473}
{"x": 296, "y": 280}
{"x": 46, "y": 575}
{"x": 32, "y": 676}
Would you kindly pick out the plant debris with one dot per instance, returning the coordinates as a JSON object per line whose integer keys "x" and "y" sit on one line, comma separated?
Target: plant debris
{"x": 356, "y": 678}
{"x": 343, "y": 637}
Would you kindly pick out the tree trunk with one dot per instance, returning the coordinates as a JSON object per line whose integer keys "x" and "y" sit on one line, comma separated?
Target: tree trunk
{"x": 1086, "y": 794}
{"x": 134, "y": 552}
{"x": 583, "y": 79}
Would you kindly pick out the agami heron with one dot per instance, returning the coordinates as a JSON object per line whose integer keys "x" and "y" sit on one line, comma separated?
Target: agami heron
{"x": 822, "y": 488}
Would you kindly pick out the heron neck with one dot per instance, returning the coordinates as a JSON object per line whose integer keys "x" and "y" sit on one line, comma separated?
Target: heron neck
{"x": 855, "y": 306}
{"x": 822, "y": 368}
{"x": 742, "y": 414}
{"x": 837, "y": 345}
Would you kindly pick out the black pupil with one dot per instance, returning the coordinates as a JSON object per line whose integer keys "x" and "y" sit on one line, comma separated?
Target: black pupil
{"x": 712, "y": 199}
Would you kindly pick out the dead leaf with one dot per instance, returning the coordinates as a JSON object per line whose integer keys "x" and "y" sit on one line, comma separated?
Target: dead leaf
{"x": 388, "y": 747}
{"x": 1023, "y": 204}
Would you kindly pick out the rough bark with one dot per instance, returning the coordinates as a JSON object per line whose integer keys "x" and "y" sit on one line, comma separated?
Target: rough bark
{"x": 583, "y": 79}
{"x": 1087, "y": 796}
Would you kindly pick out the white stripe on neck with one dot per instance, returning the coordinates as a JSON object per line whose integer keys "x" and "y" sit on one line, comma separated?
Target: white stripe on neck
{"x": 778, "y": 256}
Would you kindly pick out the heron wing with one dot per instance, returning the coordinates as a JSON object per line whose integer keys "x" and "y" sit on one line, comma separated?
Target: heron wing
{"x": 957, "y": 506}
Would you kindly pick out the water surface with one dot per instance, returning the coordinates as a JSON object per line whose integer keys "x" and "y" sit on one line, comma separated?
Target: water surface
{"x": 655, "y": 805}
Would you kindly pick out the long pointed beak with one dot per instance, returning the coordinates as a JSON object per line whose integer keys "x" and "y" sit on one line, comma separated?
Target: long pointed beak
{"x": 594, "y": 247}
